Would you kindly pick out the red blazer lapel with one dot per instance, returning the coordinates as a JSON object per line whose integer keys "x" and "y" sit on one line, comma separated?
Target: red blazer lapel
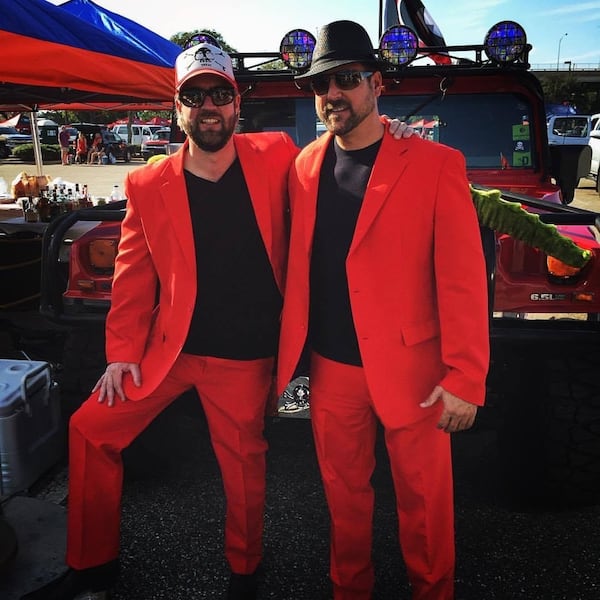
{"x": 174, "y": 197}
{"x": 387, "y": 171}
{"x": 312, "y": 160}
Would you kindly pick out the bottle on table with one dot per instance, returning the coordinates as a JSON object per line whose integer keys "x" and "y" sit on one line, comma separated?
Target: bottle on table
{"x": 115, "y": 195}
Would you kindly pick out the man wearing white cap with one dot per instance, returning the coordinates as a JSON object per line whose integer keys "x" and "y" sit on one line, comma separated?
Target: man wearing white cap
{"x": 215, "y": 326}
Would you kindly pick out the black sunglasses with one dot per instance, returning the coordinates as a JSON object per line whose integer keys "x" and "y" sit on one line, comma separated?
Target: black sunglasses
{"x": 345, "y": 80}
{"x": 194, "y": 97}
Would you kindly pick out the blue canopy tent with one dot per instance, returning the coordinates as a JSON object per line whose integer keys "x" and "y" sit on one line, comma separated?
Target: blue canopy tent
{"x": 160, "y": 50}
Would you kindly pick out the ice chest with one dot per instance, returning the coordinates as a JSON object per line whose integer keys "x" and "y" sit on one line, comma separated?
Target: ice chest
{"x": 31, "y": 431}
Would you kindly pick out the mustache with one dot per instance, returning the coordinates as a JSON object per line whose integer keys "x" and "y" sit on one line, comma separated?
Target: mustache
{"x": 208, "y": 114}
{"x": 336, "y": 105}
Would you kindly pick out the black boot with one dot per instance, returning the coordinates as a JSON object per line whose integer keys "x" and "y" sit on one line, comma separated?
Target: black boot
{"x": 243, "y": 587}
{"x": 94, "y": 581}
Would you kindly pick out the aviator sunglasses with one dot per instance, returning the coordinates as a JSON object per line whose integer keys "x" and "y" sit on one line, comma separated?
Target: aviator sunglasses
{"x": 344, "y": 80}
{"x": 194, "y": 97}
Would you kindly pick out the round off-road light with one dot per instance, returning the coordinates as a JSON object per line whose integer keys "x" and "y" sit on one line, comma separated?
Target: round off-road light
{"x": 296, "y": 49}
{"x": 398, "y": 45}
{"x": 505, "y": 42}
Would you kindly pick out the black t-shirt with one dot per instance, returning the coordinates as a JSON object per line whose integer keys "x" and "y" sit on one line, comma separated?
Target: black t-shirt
{"x": 238, "y": 303}
{"x": 342, "y": 186}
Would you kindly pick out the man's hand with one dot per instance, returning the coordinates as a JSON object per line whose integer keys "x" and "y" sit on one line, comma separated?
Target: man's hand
{"x": 457, "y": 414}
{"x": 111, "y": 382}
{"x": 399, "y": 129}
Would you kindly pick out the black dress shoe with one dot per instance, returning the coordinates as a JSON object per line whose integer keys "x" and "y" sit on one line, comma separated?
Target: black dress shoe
{"x": 88, "y": 584}
{"x": 243, "y": 587}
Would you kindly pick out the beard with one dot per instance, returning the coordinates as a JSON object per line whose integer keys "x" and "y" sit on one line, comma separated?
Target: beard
{"x": 342, "y": 124}
{"x": 212, "y": 139}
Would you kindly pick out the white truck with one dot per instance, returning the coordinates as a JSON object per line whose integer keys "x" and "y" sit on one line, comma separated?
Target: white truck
{"x": 570, "y": 152}
{"x": 595, "y": 146}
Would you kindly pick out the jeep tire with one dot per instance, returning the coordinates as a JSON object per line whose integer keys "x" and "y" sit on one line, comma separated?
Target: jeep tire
{"x": 549, "y": 440}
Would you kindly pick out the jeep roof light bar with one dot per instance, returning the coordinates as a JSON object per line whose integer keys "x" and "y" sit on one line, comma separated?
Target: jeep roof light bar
{"x": 505, "y": 45}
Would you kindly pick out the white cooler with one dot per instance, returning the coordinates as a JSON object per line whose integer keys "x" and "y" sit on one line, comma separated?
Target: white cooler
{"x": 31, "y": 430}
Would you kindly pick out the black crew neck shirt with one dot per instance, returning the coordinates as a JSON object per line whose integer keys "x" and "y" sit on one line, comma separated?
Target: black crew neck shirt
{"x": 238, "y": 303}
{"x": 344, "y": 178}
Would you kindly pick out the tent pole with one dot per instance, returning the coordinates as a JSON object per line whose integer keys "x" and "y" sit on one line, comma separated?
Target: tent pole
{"x": 37, "y": 147}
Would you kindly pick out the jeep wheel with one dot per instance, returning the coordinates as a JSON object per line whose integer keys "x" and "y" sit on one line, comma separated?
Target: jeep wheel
{"x": 549, "y": 441}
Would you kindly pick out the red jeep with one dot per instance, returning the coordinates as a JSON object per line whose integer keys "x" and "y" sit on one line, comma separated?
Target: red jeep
{"x": 544, "y": 389}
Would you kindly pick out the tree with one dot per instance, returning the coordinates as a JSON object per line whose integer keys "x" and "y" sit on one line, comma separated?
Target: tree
{"x": 183, "y": 36}
{"x": 566, "y": 88}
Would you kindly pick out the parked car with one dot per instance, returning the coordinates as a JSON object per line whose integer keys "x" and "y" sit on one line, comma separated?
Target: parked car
{"x": 595, "y": 146}
{"x": 157, "y": 144}
{"x": 139, "y": 133}
{"x": 570, "y": 152}
{"x": 11, "y": 138}
{"x": 113, "y": 143}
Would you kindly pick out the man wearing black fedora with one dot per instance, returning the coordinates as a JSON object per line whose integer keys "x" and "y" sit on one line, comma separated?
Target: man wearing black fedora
{"x": 385, "y": 257}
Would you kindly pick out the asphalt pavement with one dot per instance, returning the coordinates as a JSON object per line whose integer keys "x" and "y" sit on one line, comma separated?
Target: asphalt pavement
{"x": 172, "y": 523}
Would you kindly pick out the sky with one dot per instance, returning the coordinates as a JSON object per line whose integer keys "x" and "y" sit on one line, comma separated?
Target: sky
{"x": 558, "y": 30}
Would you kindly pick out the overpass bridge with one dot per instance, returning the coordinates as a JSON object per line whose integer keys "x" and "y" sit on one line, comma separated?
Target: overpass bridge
{"x": 588, "y": 73}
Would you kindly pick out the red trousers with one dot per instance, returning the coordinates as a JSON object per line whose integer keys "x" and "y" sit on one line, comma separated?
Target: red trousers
{"x": 233, "y": 395}
{"x": 344, "y": 422}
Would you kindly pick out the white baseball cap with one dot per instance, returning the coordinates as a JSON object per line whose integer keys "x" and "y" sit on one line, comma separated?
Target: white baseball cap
{"x": 202, "y": 59}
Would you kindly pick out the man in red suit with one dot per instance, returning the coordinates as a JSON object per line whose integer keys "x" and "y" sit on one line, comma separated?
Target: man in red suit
{"x": 205, "y": 230}
{"x": 386, "y": 286}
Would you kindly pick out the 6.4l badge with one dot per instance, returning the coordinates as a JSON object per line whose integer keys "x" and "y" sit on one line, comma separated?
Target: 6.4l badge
{"x": 548, "y": 297}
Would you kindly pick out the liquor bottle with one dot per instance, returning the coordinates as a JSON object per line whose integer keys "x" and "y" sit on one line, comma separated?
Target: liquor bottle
{"x": 54, "y": 205}
{"x": 68, "y": 201}
{"x": 44, "y": 206}
{"x": 31, "y": 213}
{"x": 84, "y": 200}
{"x": 76, "y": 198}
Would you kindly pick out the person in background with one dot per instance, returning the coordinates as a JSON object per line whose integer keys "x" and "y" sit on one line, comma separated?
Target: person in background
{"x": 206, "y": 229}
{"x": 64, "y": 141}
{"x": 386, "y": 290}
{"x": 96, "y": 151}
{"x": 81, "y": 149}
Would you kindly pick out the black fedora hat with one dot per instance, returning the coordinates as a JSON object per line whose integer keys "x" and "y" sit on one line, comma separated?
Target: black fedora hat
{"x": 341, "y": 43}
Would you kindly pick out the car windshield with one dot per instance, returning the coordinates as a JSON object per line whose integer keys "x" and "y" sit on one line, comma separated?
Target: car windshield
{"x": 161, "y": 135}
{"x": 491, "y": 130}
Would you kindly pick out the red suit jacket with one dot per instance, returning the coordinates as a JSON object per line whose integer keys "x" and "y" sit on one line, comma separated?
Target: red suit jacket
{"x": 156, "y": 253}
{"x": 416, "y": 277}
